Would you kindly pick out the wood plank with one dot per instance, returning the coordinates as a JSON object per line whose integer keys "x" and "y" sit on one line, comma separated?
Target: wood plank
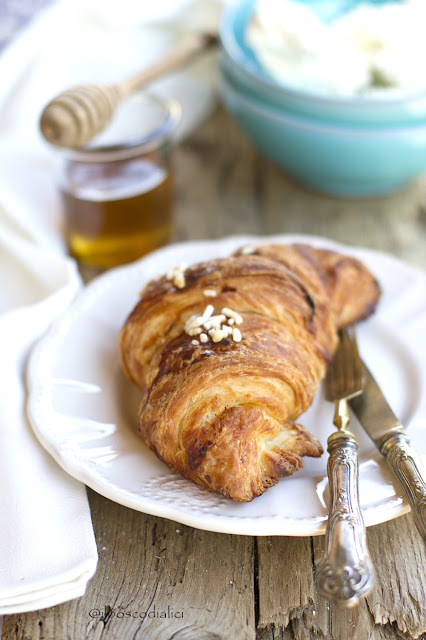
{"x": 216, "y": 183}
{"x": 315, "y": 617}
{"x": 224, "y": 187}
{"x": 396, "y": 605}
{"x": 285, "y": 579}
{"x": 400, "y": 594}
{"x": 299, "y": 630}
{"x": 274, "y": 633}
{"x": 197, "y": 585}
{"x": 393, "y": 223}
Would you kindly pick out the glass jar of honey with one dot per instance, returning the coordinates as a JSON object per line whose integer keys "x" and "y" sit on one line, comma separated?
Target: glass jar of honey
{"x": 117, "y": 191}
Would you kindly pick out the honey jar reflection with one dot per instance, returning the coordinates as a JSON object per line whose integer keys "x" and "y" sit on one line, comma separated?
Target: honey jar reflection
{"x": 117, "y": 193}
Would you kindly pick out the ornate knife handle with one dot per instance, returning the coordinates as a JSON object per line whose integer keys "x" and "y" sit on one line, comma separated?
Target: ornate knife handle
{"x": 406, "y": 466}
{"x": 346, "y": 573}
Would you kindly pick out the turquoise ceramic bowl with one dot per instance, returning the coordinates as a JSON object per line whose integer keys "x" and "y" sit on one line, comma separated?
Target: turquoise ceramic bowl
{"x": 337, "y": 158}
{"x": 240, "y": 64}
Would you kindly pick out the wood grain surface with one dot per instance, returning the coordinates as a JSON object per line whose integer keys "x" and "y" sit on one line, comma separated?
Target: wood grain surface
{"x": 240, "y": 587}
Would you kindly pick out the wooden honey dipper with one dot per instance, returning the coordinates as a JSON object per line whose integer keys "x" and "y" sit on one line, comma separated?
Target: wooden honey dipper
{"x": 78, "y": 114}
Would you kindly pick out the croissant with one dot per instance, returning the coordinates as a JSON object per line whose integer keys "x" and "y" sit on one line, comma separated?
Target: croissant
{"x": 229, "y": 352}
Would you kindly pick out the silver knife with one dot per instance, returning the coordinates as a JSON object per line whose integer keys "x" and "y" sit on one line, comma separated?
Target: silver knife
{"x": 387, "y": 433}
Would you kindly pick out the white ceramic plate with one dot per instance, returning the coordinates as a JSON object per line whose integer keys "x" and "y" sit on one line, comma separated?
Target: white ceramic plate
{"x": 84, "y": 411}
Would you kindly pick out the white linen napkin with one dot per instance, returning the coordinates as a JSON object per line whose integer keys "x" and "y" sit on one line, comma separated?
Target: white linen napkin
{"x": 48, "y": 550}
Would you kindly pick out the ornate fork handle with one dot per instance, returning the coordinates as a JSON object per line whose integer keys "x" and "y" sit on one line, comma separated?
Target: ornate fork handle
{"x": 405, "y": 465}
{"x": 347, "y": 573}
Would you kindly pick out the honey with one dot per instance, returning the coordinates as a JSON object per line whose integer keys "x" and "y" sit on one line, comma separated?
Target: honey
{"x": 116, "y": 212}
{"x": 117, "y": 190}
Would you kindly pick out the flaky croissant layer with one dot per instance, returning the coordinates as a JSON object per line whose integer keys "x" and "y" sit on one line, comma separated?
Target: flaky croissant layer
{"x": 228, "y": 353}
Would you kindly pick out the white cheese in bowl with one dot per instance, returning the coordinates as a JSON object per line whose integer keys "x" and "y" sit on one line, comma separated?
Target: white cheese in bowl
{"x": 371, "y": 50}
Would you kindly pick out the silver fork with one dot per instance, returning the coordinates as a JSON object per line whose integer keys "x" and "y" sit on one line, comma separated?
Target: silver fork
{"x": 346, "y": 574}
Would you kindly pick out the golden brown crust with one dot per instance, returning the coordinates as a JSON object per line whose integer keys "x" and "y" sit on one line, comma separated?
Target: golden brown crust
{"x": 223, "y": 414}
{"x": 354, "y": 292}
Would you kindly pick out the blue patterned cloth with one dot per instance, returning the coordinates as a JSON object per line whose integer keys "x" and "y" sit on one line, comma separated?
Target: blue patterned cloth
{"x": 16, "y": 14}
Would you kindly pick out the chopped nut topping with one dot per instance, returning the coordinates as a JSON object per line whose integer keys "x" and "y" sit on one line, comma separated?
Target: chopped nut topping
{"x": 177, "y": 275}
{"x": 210, "y": 293}
{"x": 232, "y": 314}
{"x": 236, "y": 334}
{"x": 248, "y": 249}
{"x": 216, "y": 335}
{"x": 193, "y": 322}
{"x": 217, "y": 327}
{"x": 214, "y": 322}
{"x": 194, "y": 332}
{"x": 208, "y": 311}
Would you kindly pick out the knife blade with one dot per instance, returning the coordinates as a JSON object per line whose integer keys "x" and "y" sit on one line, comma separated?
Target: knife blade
{"x": 382, "y": 425}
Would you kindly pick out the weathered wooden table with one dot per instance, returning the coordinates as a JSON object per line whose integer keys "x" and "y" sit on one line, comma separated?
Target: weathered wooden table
{"x": 224, "y": 587}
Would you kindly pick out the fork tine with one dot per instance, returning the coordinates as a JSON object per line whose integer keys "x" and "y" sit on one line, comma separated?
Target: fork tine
{"x": 354, "y": 380}
{"x": 357, "y": 359}
{"x": 332, "y": 375}
{"x": 334, "y": 382}
{"x": 344, "y": 377}
{"x": 347, "y": 361}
